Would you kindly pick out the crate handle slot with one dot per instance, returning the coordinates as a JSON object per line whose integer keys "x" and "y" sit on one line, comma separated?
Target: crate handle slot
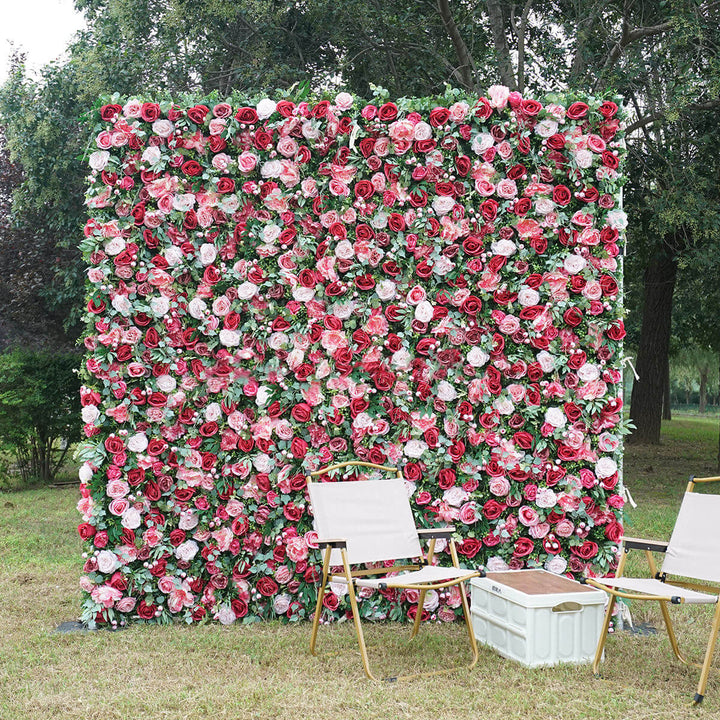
{"x": 567, "y": 607}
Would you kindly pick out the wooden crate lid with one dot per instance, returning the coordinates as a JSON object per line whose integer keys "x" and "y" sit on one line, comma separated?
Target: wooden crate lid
{"x": 537, "y": 582}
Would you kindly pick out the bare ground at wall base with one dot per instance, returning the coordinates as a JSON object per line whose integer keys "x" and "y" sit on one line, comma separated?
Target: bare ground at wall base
{"x": 265, "y": 671}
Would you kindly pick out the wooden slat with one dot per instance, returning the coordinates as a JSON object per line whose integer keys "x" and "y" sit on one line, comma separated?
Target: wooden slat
{"x": 537, "y": 582}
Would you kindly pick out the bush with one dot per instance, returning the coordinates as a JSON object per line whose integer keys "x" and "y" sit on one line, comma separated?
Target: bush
{"x": 39, "y": 409}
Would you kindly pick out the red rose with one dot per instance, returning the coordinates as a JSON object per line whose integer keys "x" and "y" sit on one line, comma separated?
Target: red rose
{"x": 561, "y": 195}
{"x": 587, "y": 550}
{"x": 531, "y": 107}
{"x": 492, "y": 509}
{"x": 86, "y": 531}
{"x": 523, "y": 547}
{"x": 150, "y": 112}
{"x": 246, "y": 115}
{"x": 608, "y": 109}
{"x": 109, "y": 112}
{"x": 302, "y": 412}
{"x": 145, "y": 611}
{"x": 226, "y": 185}
{"x": 577, "y": 110}
{"x": 469, "y": 547}
{"x": 387, "y": 112}
{"x": 573, "y": 316}
{"x": 191, "y": 168}
{"x": 439, "y": 116}
{"x": 364, "y": 189}
{"x": 463, "y": 165}
{"x": 446, "y": 478}
{"x": 266, "y": 586}
{"x": 197, "y": 114}
{"x": 616, "y": 331}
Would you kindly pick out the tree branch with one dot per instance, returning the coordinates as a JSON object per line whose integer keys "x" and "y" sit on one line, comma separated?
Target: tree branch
{"x": 497, "y": 27}
{"x": 466, "y": 69}
{"x": 654, "y": 117}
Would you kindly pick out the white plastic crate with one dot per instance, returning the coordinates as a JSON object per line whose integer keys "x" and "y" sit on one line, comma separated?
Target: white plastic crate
{"x": 536, "y": 617}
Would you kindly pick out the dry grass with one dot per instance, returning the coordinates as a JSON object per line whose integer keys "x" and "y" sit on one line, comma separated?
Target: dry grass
{"x": 265, "y": 671}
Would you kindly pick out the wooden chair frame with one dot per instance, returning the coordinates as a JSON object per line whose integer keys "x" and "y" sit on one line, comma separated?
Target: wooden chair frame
{"x": 649, "y": 547}
{"x": 350, "y": 576}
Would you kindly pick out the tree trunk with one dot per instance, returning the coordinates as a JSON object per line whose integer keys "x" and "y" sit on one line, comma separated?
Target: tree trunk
{"x": 667, "y": 410}
{"x": 647, "y": 396}
{"x": 704, "y": 371}
{"x": 502, "y": 50}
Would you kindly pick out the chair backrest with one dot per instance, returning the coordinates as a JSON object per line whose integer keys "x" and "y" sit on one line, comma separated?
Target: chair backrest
{"x": 694, "y": 548}
{"x": 374, "y": 516}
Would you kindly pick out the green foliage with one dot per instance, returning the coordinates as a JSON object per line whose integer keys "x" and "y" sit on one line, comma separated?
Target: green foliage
{"x": 39, "y": 409}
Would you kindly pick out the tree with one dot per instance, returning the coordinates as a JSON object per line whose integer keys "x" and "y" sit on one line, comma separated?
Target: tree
{"x": 663, "y": 56}
{"x": 39, "y": 409}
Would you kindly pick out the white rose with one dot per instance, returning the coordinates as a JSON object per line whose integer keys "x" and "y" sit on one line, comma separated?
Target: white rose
{"x": 546, "y": 360}
{"x": 114, "y": 246}
{"x": 445, "y": 391}
{"x": 544, "y": 205}
{"x": 477, "y": 357}
{"x": 137, "y": 443}
{"x": 443, "y": 204}
{"x": 415, "y": 448}
{"x": 496, "y": 564}
{"x": 263, "y": 463}
{"x": 302, "y": 294}
{"x": 546, "y": 128}
{"x": 131, "y": 518}
{"x": 343, "y": 101}
{"x": 107, "y": 561}
{"x": 229, "y": 338}
{"x": 183, "y": 202}
{"x": 247, "y": 290}
{"x": 151, "y": 155}
{"x": 271, "y": 169}
{"x": 166, "y": 383}
{"x": 617, "y": 219}
{"x": 208, "y": 253}
{"x": 556, "y": 417}
{"x": 90, "y": 414}
{"x": 386, "y": 289}
{"x": 528, "y": 296}
{"x": 196, "y": 308}
{"x": 482, "y": 142}
{"x": 188, "y": 520}
{"x": 226, "y": 615}
{"x": 173, "y": 255}
{"x": 424, "y": 311}
{"x": 213, "y": 412}
{"x": 402, "y": 359}
{"x": 85, "y": 473}
{"x": 160, "y": 306}
{"x": 99, "y": 160}
{"x": 262, "y": 396}
{"x": 503, "y": 247}
{"x": 574, "y": 264}
{"x": 589, "y": 372}
{"x": 455, "y": 496}
{"x": 121, "y": 303}
{"x": 556, "y": 564}
{"x": 504, "y": 406}
{"x": 605, "y": 467}
{"x": 265, "y": 108}
{"x": 271, "y": 232}
{"x": 545, "y": 498}
{"x": 422, "y": 131}
{"x": 163, "y": 128}
{"x": 186, "y": 551}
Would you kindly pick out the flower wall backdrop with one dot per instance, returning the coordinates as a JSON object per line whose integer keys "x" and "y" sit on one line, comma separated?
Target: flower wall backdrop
{"x": 276, "y": 286}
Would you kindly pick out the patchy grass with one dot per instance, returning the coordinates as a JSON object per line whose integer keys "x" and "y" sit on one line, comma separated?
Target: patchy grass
{"x": 265, "y": 670}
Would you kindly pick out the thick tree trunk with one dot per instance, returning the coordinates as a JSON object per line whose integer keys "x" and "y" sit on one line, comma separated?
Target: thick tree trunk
{"x": 502, "y": 50}
{"x": 704, "y": 371}
{"x": 667, "y": 410}
{"x": 647, "y": 396}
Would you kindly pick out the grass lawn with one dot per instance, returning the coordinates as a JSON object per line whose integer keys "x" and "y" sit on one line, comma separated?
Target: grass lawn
{"x": 265, "y": 671}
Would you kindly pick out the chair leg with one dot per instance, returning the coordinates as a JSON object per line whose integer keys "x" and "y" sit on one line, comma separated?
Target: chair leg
{"x": 468, "y": 625}
{"x": 671, "y": 634}
{"x": 603, "y": 635}
{"x": 319, "y": 604}
{"x": 418, "y": 614}
{"x": 708, "y": 657}
{"x": 356, "y": 617}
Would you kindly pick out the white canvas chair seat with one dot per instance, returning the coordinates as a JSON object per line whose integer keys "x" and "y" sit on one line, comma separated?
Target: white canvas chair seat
{"x": 658, "y": 589}
{"x": 429, "y": 575}
{"x": 367, "y": 528}
{"x": 691, "y": 555}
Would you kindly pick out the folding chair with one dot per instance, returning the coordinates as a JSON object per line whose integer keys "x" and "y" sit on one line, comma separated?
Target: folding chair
{"x": 369, "y": 523}
{"x": 693, "y": 552}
